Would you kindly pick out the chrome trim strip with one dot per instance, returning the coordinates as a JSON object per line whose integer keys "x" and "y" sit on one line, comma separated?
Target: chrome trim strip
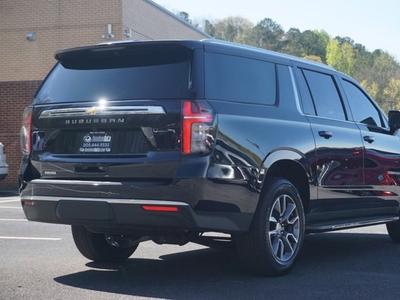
{"x": 365, "y": 223}
{"x": 110, "y": 201}
{"x": 296, "y": 94}
{"x": 393, "y": 172}
{"x": 349, "y": 225}
{"x": 102, "y": 111}
{"x": 74, "y": 182}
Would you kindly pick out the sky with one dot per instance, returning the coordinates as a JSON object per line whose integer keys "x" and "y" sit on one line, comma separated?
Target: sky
{"x": 372, "y": 23}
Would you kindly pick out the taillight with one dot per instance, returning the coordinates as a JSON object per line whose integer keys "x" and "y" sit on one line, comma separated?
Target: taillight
{"x": 198, "y": 127}
{"x": 26, "y": 131}
{"x": 160, "y": 208}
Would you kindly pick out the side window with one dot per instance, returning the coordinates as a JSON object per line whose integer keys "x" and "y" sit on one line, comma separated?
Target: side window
{"x": 362, "y": 108}
{"x": 240, "y": 79}
{"x": 286, "y": 90}
{"x": 325, "y": 95}
{"x": 307, "y": 104}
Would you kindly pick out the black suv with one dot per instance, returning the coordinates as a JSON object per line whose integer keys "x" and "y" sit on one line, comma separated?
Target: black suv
{"x": 207, "y": 142}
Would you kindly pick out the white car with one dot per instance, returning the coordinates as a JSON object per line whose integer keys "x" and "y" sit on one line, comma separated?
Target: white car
{"x": 3, "y": 163}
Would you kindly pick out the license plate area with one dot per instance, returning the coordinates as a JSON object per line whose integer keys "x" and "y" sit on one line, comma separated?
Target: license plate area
{"x": 96, "y": 142}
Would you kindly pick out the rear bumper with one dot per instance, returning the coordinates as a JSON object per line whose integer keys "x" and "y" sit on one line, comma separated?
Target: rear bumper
{"x": 198, "y": 205}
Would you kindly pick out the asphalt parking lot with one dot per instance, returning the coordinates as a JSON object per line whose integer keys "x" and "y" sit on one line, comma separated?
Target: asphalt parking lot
{"x": 39, "y": 261}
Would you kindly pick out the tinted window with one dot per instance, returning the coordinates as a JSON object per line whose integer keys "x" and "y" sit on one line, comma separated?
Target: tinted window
{"x": 116, "y": 78}
{"x": 307, "y": 103}
{"x": 286, "y": 91}
{"x": 239, "y": 79}
{"x": 361, "y": 106}
{"x": 325, "y": 95}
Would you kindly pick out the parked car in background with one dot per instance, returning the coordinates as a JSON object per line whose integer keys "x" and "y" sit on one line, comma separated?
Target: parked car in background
{"x": 3, "y": 163}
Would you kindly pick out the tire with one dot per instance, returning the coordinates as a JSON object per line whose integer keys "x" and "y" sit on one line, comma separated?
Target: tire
{"x": 272, "y": 245}
{"x": 94, "y": 246}
{"x": 394, "y": 231}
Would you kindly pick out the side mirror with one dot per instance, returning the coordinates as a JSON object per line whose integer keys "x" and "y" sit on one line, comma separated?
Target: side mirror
{"x": 394, "y": 120}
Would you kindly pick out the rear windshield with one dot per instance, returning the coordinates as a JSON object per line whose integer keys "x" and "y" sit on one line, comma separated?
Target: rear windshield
{"x": 114, "y": 75}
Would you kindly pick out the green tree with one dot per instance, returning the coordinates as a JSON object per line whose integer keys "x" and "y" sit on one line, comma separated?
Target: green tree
{"x": 333, "y": 54}
{"x": 348, "y": 58}
{"x": 314, "y": 43}
{"x": 307, "y": 43}
{"x": 392, "y": 93}
{"x": 343, "y": 40}
{"x": 234, "y": 29}
{"x": 267, "y": 34}
{"x": 363, "y": 62}
{"x": 340, "y": 56}
{"x": 185, "y": 16}
{"x": 384, "y": 68}
{"x": 313, "y": 58}
{"x": 372, "y": 89}
{"x": 292, "y": 42}
{"x": 209, "y": 28}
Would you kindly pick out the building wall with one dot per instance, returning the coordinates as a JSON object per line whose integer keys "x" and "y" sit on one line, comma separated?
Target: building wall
{"x": 149, "y": 21}
{"x": 60, "y": 24}
{"x": 14, "y": 96}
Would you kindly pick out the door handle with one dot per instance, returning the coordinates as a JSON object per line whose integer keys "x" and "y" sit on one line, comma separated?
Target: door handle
{"x": 325, "y": 134}
{"x": 369, "y": 139}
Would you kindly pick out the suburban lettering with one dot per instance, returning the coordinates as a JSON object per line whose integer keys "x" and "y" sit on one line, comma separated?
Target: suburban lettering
{"x": 94, "y": 121}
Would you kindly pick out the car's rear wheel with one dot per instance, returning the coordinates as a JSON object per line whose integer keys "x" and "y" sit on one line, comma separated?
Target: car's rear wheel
{"x": 96, "y": 247}
{"x": 394, "y": 231}
{"x": 272, "y": 245}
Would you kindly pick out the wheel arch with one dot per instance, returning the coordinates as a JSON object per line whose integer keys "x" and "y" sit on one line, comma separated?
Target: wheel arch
{"x": 292, "y": 166}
